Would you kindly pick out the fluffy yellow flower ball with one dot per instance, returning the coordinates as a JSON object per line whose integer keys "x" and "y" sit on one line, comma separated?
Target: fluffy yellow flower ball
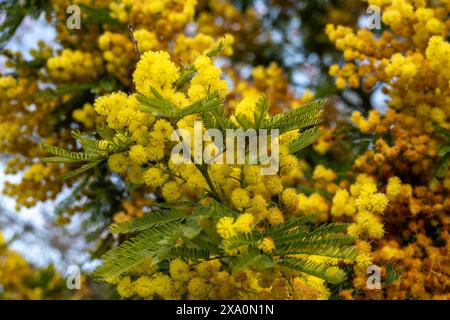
{"x": 225, "y": 227}
{"x": 244, "y": 223}
{"x": 267, "y": 245}
{"x": 179, "y": 270}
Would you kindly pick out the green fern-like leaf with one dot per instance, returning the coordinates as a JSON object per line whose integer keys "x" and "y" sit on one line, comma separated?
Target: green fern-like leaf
{"x": 189, "y": 253}
{"x": 190, "y": 69}
{"x": 215, "y": 209}
{"x": 331, "y": 251}
{"x": 321, "y": 270}
{"x": 207, "y": 242}
{"x": 443, "y": 132}
{"x": 159, "y": 106}
{"x": 156, "y": 105}
{"x": 80, "y": 170}
{"x": 442, "y": 166}
{"x": 300, "y": 118}
{"x": 204, "y": 105}
{"x": 253, "y": 259}
{"x": 92, "y": 146}
{"x": 154, "y": 242}
{"x": 105, "y": 132}
{"x": 250, "y": 240}
{"x": 218, "y": 119}
{"x": 148, "y": 221}
{"x": 261, "y": 111}
{"x": 61, "y": 160}
{"x": 68, "y": 155}
{"x": 304, "y": 139}
{"x": 298, "y": 224}
{"x": 301, "y": 235}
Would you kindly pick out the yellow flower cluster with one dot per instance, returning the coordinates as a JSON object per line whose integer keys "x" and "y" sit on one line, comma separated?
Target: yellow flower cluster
{"x": 228, "y": 228}
{"x": 207, "y": 80}
{"x": 119, "y": 54}
{"x": 189, "y": 48}
{"x": 410, "y": 60}
{"x": 325, "y": 140}
{"x": 163, "y": 16}
{"x": 155, "y": 69}
{"x": 415, "y": 67}
{"x": 86, "y": 115}
{"x": 369, "y": 125}
{"x": 270, "y": 80}
{"x": 74, "y": 66}
{"x": 146, "y": 40}
{"x": 364, "y": 204}
{"x": 310, "y": 288}
{"x": 208, "y": 280}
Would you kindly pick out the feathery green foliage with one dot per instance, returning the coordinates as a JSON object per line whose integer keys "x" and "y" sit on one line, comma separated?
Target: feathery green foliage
{"x": 148, "y": 221}
{"x": 159, "y": 106}
{"x": 302, "y": 117}
{"x": 94, "y": 151}
{"x": 304, "y": 139}
{"x": 62, "y": 155}
{"x": 158, "y": 233}
{"x": 328, "y": 273}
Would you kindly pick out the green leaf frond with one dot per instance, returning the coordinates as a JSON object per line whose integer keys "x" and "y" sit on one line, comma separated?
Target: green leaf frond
{"x": 215, "y": 209}
{"x": 152, "y": 242}
{"x": 304, "y": 139}
{"x": 253, "y": 259}
{"x": 218, "y": 118}
{"x": 203, "y": 105}
{"x": 217, "y": 50}
{"x": 242, "y": 240}
{"x": 189, "y": 253}
{"x": 156, "y": 105}
{"x": 330, "y": 240}
{"x": 318, "y": 235}
{"x": 334, "y": 250}
{"x": 147, "y": 221}
{"x": 80, "y": 170}
{"x": 290, "y": 225}
{"x": 300, "y": 118}
{"x": 160, "y": 106}
{"x": 63, "y": 155}
{"x": 175, "y": 204}
{"x": 105, "y": 132}
{"x": 322, "y": 270}
{"x": 93, "y": 146}
{"x": 299, "y": 240}
{"x": 261, "y": 111}
{"x": 207, "y": 242}
{"x": 443, "y": 132}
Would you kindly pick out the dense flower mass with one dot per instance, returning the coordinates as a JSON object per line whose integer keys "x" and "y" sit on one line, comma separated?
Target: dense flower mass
{"x": 362, "y": 181}
{"x": 410, "y": 62}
